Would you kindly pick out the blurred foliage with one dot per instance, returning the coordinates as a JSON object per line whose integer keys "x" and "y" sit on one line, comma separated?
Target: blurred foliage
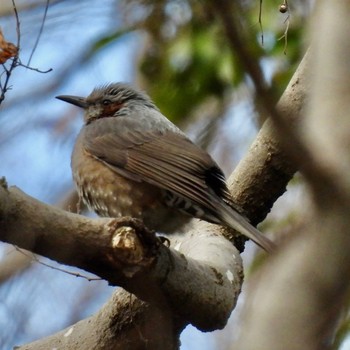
{"x": 185, "y": 59}
{"x": 174, "y": 73}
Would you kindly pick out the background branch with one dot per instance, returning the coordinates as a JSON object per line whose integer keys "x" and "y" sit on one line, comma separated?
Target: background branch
{"x": 266, "y": 96}
{"x": 263, "y": 174}
{"x": 302, "y": 295}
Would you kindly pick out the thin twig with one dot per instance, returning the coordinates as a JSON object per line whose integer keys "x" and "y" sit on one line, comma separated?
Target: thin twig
{"x": 18, "y": 28}
{"x": 5, "y": 86}
{"x": 260, "y": 23}
{"x": 15, "y": 60}
{"x": 34, "y": 258}
{"x": 283, "y": 9}
{"x": 40, "y": 33}
{"x": 35, "y": 69}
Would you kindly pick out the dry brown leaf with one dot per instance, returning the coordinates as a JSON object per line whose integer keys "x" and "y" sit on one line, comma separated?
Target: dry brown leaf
{"x": 7, "y": 50}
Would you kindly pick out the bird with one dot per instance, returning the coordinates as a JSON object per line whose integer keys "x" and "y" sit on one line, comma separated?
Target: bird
{"x": 130, "y": 160}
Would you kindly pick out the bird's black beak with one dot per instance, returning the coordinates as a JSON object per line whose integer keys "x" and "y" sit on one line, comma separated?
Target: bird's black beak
{"x": 74, "y": 100}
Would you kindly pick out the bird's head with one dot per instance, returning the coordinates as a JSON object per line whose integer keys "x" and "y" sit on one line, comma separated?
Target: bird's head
{"x": 110, "y": 100}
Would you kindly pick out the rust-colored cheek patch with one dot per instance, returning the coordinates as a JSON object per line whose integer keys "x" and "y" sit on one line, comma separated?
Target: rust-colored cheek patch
{"x": 109, "y": 110}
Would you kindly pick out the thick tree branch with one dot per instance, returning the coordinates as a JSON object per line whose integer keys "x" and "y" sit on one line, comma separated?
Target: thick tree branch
{"x": 67, "y": 238}
{"x": 200, "y": 288}
{"x": 125, "y": 322}
{"x": 302, "y": 294}
{"x": 262, "y": 176}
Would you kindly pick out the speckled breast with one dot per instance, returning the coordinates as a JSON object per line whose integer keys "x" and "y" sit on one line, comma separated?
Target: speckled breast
{"x": 111, "y": 195}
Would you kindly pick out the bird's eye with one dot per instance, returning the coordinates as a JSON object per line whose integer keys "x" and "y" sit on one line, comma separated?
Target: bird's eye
{"x": 106, "y": 102}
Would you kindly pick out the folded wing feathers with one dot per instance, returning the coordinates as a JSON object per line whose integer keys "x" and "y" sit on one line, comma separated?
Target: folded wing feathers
{"x": 173, "y": 163}
{"x": 170, "y": 177}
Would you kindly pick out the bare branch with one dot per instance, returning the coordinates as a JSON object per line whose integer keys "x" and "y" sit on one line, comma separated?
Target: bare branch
{"x": 11, "y": 51}
{"x": 260, "y": 22}
{"x": 122, "y": 323}
{"x": 40, "y": 32}
{"x": 285, "y": 34}
{"x": 31, "y": 257}
{"x": 304, "y": 292}
{"x": 262, "y": 176}
{"x": 201, "y": 288}
{"x": 14, "y": 52}
{"x": 35, "y": 69}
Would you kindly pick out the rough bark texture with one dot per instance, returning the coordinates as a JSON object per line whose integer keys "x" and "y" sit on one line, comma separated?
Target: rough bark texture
{"x": 200, "y": 287}
{"x": 125, "y": 322}
{"x": 262, "y": 176}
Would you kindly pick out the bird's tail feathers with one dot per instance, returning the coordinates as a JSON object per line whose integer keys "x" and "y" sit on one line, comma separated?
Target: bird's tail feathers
{"x": 239, "y": 223}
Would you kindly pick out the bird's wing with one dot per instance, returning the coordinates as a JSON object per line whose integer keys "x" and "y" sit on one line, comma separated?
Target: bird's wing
{"x": 169, "y": 160}
{"x": 165, "y": 159}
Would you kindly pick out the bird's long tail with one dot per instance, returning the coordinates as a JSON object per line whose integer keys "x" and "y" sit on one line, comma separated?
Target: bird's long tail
{"x": 234, "y": 220}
